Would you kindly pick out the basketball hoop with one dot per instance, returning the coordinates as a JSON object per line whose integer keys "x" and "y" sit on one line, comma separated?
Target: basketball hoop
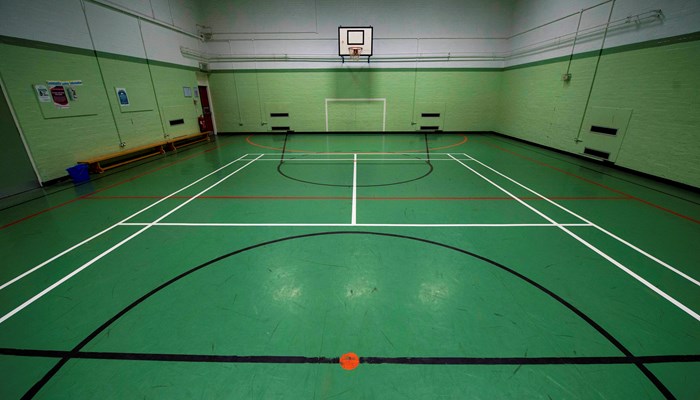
{"x": 355, "y": 53}
{"x": 355, "y": 42}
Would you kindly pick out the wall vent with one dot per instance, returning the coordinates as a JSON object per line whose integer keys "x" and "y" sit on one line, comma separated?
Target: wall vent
{"x": 430, "y": 115}
{"x": 279, "y": 115}
{"x": 280, "y": 128}
{"x": 429, "y": 128}
{"x": 596, "y": 153}
{"x": 177, "y": 121}
{"x": 604, "y": 130}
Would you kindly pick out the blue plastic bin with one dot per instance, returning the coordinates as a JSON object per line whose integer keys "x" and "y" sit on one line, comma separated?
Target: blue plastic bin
{"x": 79, "y": 173}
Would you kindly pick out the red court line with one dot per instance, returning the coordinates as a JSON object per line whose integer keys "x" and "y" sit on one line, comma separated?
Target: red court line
{"x": 594, "y": 183}
{"x": 87, "y": 196}
{"x": 250, "y": 141}
{"x": 359, "y": 198}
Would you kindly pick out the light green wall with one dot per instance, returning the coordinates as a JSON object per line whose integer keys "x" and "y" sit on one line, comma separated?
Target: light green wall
{"x": 536, "y": 105}
{"x": 139, "y": 122}
{"x": 16, "y": 172}
{"x": 169, "y": 83}
{"x": 57, "y": 143}
{"x": 95, "y": 124}
{"x": 662, "y": 86}
{"x": 471, "y": 96}
{"x": 658, "y": 82}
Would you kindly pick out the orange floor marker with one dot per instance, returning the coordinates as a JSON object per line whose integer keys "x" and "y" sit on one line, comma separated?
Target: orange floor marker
{"x": 349, "y": 361}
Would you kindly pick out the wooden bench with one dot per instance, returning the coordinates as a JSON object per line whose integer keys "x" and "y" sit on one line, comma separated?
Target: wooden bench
{"x": 126, "y": 156}
{"x": 186, "y": 140}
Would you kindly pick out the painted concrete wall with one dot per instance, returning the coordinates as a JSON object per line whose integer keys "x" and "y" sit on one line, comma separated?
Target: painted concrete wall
{"x": 16, "y": 171}
{"x": 94, "y": 124}
{"x": 536, "y": 105}
{"x": 657, "y": 81}
{"x": 43, "y": 40}
{"x": 467, "y": 98}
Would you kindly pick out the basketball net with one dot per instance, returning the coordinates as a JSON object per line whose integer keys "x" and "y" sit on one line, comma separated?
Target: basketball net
{"x": 355, "y": 53}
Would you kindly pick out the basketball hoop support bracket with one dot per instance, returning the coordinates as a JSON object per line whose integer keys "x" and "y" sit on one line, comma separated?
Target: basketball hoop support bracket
{"x": 343, "y": 58}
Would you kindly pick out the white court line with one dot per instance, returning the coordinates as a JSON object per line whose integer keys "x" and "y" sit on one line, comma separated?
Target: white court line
{"x": 65, "y": 278}
{"x": 358, "y": 153}
{"x": 353, "y": 217}
{"x": 553, "y": 222}
{"x": 417, "y": 160}
{"x": 284, "y": 224}
{"x": 111, "y": 249}
{"x": 18, "y": 277}
{"x": 643, "y": 281}
{"x": 630, "y": 245}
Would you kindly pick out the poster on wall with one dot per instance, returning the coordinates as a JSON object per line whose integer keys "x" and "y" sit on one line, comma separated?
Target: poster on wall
{"x": 187, "y": 91}
{"x": 72, "y": 93}
{"x": 60, "y": 92}
{"x": 59, "y": 96}
{"x": 42, "y": 93}
{"x": 122, "y": 96}
{"x": 72, "y": 89}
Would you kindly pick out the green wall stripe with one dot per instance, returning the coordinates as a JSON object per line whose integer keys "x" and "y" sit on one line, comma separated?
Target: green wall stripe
{"x": 690, "y": 37}
{"x": 357, "y": 70}
{"x": 45, "y": 46}
{"x": 119, "y": 57}
{"x": 578, "y": 56}
{"x": 171, "y": 65}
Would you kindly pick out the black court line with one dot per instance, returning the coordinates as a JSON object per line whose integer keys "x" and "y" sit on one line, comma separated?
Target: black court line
{"x": 208, "y": 358}
{"x": 636, "y": 361}
{"x": 427, "y": 148}
{"x": 427, "y": 162}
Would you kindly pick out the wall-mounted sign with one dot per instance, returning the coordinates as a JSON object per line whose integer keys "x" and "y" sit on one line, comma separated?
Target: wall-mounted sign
{"x": 61, "y": 92}
{"x": 72, "y": 93}
{"x": 58, "y": 94}
{"x": 72, "y": 89}
{"x": 187, "y": 91}
{"x": 122, "y": 97}
{"x": 42, "y": 93}
{"x": 196, "y": 92}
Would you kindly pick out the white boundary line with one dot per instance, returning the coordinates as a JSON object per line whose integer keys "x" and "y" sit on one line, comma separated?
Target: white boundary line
{"x": 353, "y": 217}
{"x": 18, "y": 277}
{"x": 616, "y": 263}
{"x": 630, "y": 245}
{"x": 359, "y": 153}
{"x": 416, "y": 160}
{"x": 116, "y": 246}
{"x": 356, "y": 100}
{"x": 553, "y": 222}
{"x": 243, "y": 224}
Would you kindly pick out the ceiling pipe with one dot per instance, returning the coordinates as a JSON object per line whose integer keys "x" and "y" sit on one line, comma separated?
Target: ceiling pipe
{"x": 558, "y": 41}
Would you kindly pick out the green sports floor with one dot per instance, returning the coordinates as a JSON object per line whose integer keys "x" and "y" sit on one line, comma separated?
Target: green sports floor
{"x": 454, "y": 266}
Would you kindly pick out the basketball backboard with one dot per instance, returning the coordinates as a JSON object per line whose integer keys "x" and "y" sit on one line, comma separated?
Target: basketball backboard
{"x": 355, "y": 42}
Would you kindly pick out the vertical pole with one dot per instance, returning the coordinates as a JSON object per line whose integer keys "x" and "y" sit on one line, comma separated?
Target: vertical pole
{"x": 595, "y": 73}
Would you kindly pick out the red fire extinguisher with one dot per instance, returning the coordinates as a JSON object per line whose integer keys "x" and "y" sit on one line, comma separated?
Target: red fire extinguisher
{"x": 202, "y": 123}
